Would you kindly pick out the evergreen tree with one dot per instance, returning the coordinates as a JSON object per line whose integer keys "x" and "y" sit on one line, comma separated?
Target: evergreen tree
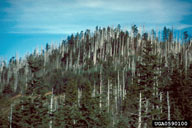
{"x": 90, "y": 110}
{"x": 30, "y": 112}
{"x": 135, "y": 30}
{"x": 36, "y": 84}
{"x": 147, "y": 78}
{"x": 3, "y": 121}
{"x": 187, "y": 95}
{"x": 170, "y": 35}
{"x": 66, "y": 114}
{"x": 180, "y": 92}
{"x": 165, "y": 34}
{"x": 175, "y": 89}
{"x": 101, "y": 79}
{"x": 130, "y": 107}
{"x": 186, "y": 36}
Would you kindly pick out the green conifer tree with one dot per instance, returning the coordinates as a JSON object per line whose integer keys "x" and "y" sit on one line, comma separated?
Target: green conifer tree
{"x": 147, "y": 79}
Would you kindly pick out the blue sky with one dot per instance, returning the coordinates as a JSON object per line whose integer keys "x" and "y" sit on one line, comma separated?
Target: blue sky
{"x": 27, "y": 24}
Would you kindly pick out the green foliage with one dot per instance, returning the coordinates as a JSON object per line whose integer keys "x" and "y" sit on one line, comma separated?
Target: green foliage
{"x": 30, "y": 112}
{"x": 130, "y": 108}
{"x": 54, "y": 80}
{"x": 48, "y": 47}
{"x": 123, "y": 122}
{"x": 36, "y": 86}
{"x": 186, "y": 35}
{"x": 7, "y": 90}
{"x": 180, "y": 93}
{"x": 3, "y": 121}
{"x": 165, "y": 34}
{"x": 147, "y": 70}
{"x": 145, "y": 36}
{"x": 135, "y": 30}
{"x": 36, "y": 83}
{"x": 65, "y": 116}
{"x": 125, "y": 65}
{"x": 147, "y": 77}
{"x": 35, "y": 63}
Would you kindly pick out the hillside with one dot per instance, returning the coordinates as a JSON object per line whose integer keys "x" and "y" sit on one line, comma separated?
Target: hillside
{"x": 108, "y": 78}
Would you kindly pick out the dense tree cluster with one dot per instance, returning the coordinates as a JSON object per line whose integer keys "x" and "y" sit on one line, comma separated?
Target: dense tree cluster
{"x": 109, "y": 78}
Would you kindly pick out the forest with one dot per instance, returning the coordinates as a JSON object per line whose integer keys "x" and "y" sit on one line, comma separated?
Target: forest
{"x": 109, "y": 78}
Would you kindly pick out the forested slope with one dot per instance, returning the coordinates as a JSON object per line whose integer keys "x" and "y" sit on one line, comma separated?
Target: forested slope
{"x": 109, "y": 78}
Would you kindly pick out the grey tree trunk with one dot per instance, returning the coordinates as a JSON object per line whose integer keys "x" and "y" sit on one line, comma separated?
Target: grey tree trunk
{"x": 168, "y": 107}
{"x": 146, "y": 111}
{"x": 100, "y": 88}
{"x": 11, "y": 117}
{"x": 79, "y": 96}
{"x": 51, "y": 110}
{"x": 140, "y": 107}
{"x": 108, "y": 95}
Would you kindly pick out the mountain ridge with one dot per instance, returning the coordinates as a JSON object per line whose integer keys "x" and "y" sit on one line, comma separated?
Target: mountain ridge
{"x": 114, "y": 71}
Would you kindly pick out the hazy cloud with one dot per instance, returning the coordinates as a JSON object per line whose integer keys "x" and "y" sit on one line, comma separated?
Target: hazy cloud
{"x": 183, "y": 26}
{"x": 67, "y": 16}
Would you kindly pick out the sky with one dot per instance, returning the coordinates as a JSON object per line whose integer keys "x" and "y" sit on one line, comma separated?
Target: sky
{"x": 27, "y": 24}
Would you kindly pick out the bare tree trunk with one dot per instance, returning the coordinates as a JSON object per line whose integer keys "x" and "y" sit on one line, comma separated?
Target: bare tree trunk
{"x": 186, "y": 61}
{"x": 146, "y": 111}
{"x": 79, "y": 96}
{"x": 168, "y": 107}
{"x": 78, "y": 60}
{"x": 139, "y": 120}
{"x": 51, "y": 110}
{"x": 45, "y": 61}
{"x": 116, "y": 90}
{"x": 123, "y": 86}
{"x": 26, "y": 75}
{"x": 161, "y": 102}
{"x": 133, "y": 67}
{"x": 100, "y": 89}
{"x": 118, "y": 86}
{"x": 1, "y": 88}
{"x": 16, "y": 81}
{"x": 94, "y": 91}
{"x": 108, "y": 95}
{"x": 11, "y": 117}
{"x": 113, "y": 116}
